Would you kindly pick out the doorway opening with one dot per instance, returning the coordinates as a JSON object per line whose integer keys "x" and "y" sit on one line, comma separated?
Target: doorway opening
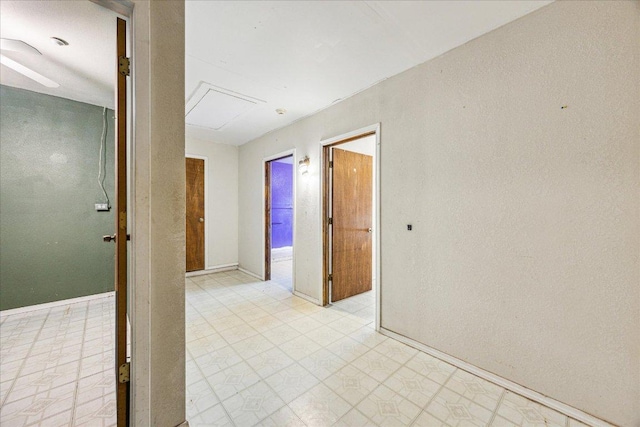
{"x": 350, "y": 212}
{"x": 279, "y": 220}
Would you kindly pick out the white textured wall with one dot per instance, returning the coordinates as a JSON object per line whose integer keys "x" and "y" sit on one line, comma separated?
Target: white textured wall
{"x": 524, "y": 255}
{"x": 157, "y": 214}
{"x": 221, "y": 200}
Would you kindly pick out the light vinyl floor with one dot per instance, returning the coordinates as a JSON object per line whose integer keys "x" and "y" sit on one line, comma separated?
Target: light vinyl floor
{"x": 256, "y": 355}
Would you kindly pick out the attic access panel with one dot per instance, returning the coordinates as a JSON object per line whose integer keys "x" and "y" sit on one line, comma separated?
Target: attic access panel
{"x": 214, "y": 108}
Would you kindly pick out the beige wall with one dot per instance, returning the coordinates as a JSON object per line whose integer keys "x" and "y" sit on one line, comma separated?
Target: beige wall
{"x": 158, "y": 245}
{"x": 221, "y": 200}
{"x": 523, "y": 259}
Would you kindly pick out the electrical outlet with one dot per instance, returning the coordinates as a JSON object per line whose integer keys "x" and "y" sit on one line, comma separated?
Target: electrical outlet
{"x": 102, "y": 207}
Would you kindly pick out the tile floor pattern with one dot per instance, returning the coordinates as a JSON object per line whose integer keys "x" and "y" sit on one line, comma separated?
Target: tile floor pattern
{"x": 56, "y": 366}
{"x": 256, "y": 355}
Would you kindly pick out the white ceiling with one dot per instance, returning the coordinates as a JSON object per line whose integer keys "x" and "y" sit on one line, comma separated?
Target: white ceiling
{"x": 305, "y": 55}
{"x": 85, "y": 69}
{"x": 298, "y": 55}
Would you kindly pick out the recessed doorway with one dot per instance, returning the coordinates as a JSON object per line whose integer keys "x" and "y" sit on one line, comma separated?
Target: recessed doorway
{"x": 350, "y": 212}
{"x": 279, "y": 220}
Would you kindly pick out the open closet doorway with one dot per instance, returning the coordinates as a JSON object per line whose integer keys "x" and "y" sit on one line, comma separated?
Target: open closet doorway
{"x": 279, "y": 220}
{"x": 350, "y": 218}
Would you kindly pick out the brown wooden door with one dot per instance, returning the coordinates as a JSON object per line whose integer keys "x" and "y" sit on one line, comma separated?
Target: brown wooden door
{"x": 351, "y": 250}
{"x": 195, "y": 214}
{"x": 122, "y": 364}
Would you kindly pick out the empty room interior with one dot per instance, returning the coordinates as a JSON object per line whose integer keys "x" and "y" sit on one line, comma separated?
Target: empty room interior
{"x": 337, "y": 213}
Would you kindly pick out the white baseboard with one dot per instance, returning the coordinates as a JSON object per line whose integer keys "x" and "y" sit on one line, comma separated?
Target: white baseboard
{"x": 52, "y": 304}
{"x": 307, "y": 297}
{"x": 213, "y": 269}
{"x": 250, "y": 273}
{"x": 570, "y": 411}
{"x": 185, "y": 423}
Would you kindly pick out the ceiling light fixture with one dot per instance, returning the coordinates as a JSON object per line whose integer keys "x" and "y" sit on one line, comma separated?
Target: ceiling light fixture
{"x": 58, "y": 41}
{"x": 18, "y": 46}
{"x": 280, "y": 111}
{"x": 22, "y": 47}
{"x": 27, "y": 72}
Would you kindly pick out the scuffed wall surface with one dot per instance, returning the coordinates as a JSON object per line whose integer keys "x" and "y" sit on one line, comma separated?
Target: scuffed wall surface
{"x": 516, "y": 159}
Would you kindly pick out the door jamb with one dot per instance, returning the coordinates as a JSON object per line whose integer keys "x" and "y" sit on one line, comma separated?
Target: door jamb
{"x": 206, "y": 210}
{"x": 325, "y": 146}
{"x": 266, "y": 204}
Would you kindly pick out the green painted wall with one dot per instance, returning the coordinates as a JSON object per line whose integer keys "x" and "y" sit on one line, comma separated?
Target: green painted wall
{"x": 50, "y": 234}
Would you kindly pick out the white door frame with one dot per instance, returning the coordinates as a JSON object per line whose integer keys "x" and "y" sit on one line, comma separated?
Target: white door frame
{"x": 265, "y": 160}
{"x": 375, "y": 128}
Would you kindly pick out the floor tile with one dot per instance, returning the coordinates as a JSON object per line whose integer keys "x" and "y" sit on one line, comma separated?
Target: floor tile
{"x": 323, "y": 363}
{"x": 376, "y": 365}
{"x": 215, "y": 416}
{"x": 425, "y": 419}
{"x": 396, "y": 351}
{"x": 320, "y": 406}
{"x": 521, "y": 411}
{"x": 199, "y": 397}
{"x": 56, "y": 402}
{"x": 217, "y": 360}
{"x": 269, "y": 362}
{"x": 283, "y": 417}
{"x": 387, "y": 408}
{"x": 252, "y": 346}
{"x": 434, "y": 369}
{"x": 355, "y": 418}
{"x": 252, "y": 405}
{"x": 232, "y": 380}
{"x": 475, "y": 389}
{"x": 351, "y": 384}
{"x": 300, "y": 347}
{"x": 456, "y": 410}
{"x": 292, "y": 382}
{"x": 413, "y": 386}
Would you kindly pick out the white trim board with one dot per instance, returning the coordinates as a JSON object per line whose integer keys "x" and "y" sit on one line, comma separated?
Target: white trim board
{"x": 565, "y": 409}
{"x": 214, "y": 269}
{"x": 307, "y": 297}
{"x": 53, "y": 304}
{"x": 250, "y": 273}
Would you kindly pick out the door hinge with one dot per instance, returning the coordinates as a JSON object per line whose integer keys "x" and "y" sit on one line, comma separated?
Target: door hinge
{"x": 330, "y": 221}
{"x": 330, "y": 277}
{"x": 331, "y": 164}
{"x": 124, "y": 65}
{"x": 123, "y": 373}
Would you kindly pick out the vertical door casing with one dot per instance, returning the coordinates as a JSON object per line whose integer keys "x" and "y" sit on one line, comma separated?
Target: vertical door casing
{"x": 267, "y": 221}
{"x": 122, "y": 388}
{"x": 351, "y": 242}
{"x": 194, "y": 214}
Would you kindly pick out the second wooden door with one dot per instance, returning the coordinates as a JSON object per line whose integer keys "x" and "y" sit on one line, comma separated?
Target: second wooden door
{"x": 195, "y": 214}
{"x": 351, "y": 251}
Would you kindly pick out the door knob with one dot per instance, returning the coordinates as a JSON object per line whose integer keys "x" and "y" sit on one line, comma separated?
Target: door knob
{"x": 201, "y": 219}
{"x": 112, "y": 238}
{"x": 370, "y": 230}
